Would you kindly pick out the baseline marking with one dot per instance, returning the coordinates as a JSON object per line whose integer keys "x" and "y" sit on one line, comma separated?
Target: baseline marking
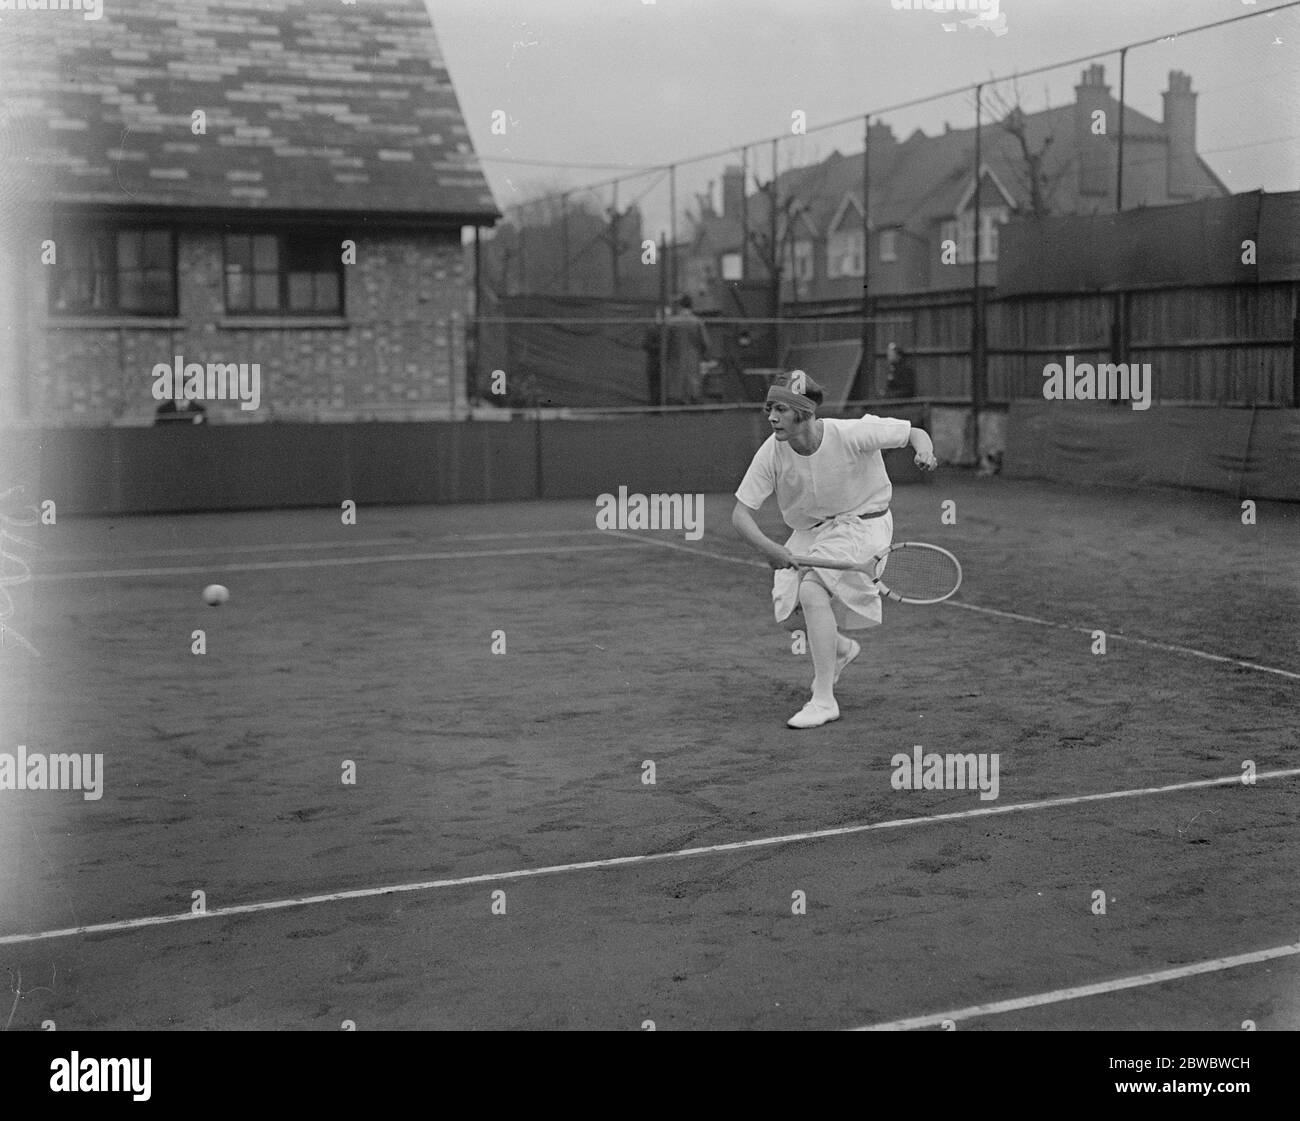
{"x": 977, "y": 1011}
{"x": 1110, "y": 635}
{"x": 629, "y": 861}
{"x": 329, "y": 562}
{"x": 291, "y": 546}
{"x": 1126, "y": 638}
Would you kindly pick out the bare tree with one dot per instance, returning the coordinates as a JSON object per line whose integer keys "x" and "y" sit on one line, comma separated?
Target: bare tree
{"x": 1037, "y": 179}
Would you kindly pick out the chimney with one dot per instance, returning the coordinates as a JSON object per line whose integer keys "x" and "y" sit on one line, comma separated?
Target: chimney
{"x": 733, "y": 191}
{"x": 1095, "y": 152}
{"x": 882, "y": 137}
{"x": 705, "y": 199}
{"x": 1180, "y": 130}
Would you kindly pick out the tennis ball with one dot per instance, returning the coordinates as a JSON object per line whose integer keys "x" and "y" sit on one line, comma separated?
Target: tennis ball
{"x": 215, "y": 595}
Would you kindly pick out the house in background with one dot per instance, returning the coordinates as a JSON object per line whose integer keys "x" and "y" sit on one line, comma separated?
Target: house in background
{"x": 922, "y": 194}
{"x": 558, "y": 247}
{"x": 208, "y": 181}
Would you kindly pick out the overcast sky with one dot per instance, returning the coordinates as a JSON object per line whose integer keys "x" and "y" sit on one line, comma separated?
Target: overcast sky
{"x": 635, "y": 83}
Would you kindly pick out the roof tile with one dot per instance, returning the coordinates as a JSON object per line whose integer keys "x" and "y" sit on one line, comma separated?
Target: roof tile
{"x": 113, "y": 98}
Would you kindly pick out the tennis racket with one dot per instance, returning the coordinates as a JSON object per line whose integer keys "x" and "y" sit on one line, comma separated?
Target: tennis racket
{"x": 918, "y": 573}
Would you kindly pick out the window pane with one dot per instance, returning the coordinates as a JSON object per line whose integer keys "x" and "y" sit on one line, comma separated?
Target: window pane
{"x": 239, "y": 251}
{"x": 266, "y": 292}
{"x": 101, "y": 252}
{"x": 157, "y": 249}
{"x": 300, "y": 291}
{"x": 158, "y": 290}
{"x": 238, "y": 291}
{"x": 266, "y": 255}
{"x": 73, "y": 251}
{"x": 310, "y": 255}
{"x": 130, "y": 291}
{"x": 72, "y": 291}
{"x": 128, "y": 250}
{"x": 327, "y": 292}
{"x": 101, "y": 291}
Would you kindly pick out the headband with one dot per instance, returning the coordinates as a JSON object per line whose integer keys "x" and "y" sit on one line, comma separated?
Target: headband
{"x": 796, "y": 401}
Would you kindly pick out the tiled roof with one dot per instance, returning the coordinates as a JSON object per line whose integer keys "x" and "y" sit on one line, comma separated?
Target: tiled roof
{"x": 311, "y": 105}
{"x": 922, "y": 179}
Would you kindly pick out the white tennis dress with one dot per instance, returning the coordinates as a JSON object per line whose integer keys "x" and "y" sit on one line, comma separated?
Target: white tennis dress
{"x": 821, "y": 496}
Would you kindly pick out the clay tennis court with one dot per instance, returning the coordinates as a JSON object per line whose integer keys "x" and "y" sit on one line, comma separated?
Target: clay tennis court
{"x": 521, "y": 772}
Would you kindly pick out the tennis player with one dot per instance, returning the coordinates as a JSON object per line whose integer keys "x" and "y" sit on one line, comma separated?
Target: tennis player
{"x": 830, "y": 483}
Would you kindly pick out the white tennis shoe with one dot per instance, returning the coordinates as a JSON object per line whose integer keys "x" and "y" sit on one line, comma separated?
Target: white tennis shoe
{"x": 814, "y": 715}
{"x": 855, "y": 648}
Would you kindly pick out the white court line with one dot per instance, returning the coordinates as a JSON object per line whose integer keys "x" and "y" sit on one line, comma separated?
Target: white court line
{"x": 1169, "y": 647}
{"x": 331, "y": 562}
{"x": 643, "y": 858}
{"x": 1125, "y": 638}
{"x": 977, "y": 1011}
{"x": 210, "y": 549}
{"x": 290, "y": 546}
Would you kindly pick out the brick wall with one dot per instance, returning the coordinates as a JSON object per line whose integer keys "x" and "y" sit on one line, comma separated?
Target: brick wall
{"x": 398, "y": 353}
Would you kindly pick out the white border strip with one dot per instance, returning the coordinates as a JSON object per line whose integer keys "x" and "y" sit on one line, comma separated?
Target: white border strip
{"x": 999, "y": 614}
{"x": 329, "y": 562}
{"x": 302, "y": 546}
{"x": 1126, "y": 638}
{"x": 629, "y": 861}
{"x": 978, "y": 1011}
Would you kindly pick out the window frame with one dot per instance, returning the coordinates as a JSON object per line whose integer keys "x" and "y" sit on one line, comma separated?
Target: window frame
{"x": 803, "y": 260}
{"x": 961, "y": 229}
{"x": 888, "y": 246}
{"x": 85, "y": 230}
{"x": 283, "y": 309}
{"x": 845, "y": 246}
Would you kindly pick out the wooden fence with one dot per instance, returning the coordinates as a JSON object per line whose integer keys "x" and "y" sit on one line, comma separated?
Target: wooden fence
{"x": 1226, "y": 345}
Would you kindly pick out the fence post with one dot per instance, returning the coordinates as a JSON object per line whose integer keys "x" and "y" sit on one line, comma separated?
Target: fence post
{"x": 1119, "y": 159}
{"x": 744, "y": 215}
{"x": 478, "y": 315}
{"x": 615, "y": 241}
{"x": 523, "y": 251}
{"x": 977, "y": 319}
{"x": 866, "y": 374}
{"x": 774, "y": 256}
{"x": 662, "y": 324}
{"x": 564, "y": 237}
{"x": 1295, "y": 362}
{"x": 672, "y": 229}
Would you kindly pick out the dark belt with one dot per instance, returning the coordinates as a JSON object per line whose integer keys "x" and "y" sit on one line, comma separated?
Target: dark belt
{"x": 865, "y": 517}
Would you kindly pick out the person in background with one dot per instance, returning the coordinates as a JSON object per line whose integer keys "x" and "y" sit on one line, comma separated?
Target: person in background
{"x": 650, "y": 343}
{"x": 900, "y": 379}
{"x": 688, "y": 347}
{"x": 180, "y": 412}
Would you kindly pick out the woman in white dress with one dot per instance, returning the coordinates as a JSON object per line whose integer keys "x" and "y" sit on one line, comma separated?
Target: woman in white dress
{"x": 830, "y": 483}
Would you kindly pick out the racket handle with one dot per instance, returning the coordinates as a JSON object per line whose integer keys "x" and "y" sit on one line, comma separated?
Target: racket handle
{"x": 837, "y": 565}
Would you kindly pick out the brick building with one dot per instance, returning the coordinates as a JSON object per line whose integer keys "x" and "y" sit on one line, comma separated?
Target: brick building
{"x": 923, "y": 194}
{"x": 214, "y": 182}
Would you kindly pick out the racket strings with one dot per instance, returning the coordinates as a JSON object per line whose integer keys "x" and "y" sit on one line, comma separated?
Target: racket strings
{"x": 919, "y": 573}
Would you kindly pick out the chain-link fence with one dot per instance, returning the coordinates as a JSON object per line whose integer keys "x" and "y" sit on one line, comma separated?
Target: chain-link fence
{"x": 961, "y": 242}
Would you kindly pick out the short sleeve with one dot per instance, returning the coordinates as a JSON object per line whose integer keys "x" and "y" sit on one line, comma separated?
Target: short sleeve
{"x": 760, "y": 480}
{"x": 875, "y": 433}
